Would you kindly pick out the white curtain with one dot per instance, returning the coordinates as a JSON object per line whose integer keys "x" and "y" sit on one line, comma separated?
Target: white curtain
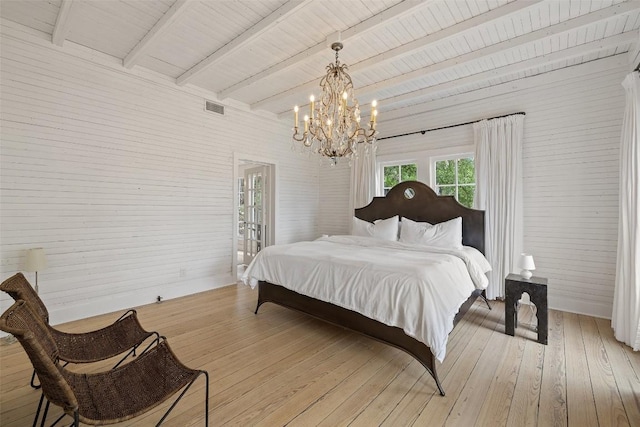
{"x": 498, "y": 163}
{"x": 626, "y": 300}
{"x": 363, "y": 176}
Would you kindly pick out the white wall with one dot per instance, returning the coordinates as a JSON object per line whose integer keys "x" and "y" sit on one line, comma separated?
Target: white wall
{"x": 334, "y": 198}
{"x": 571, "y": 149}
{"x": 124, "y": 179}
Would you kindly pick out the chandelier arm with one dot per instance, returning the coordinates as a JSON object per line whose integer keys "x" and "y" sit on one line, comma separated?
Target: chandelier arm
{"x": 295, "y": 135}
{"x": 355, "y": 133}
{"x": 335, "y": 120}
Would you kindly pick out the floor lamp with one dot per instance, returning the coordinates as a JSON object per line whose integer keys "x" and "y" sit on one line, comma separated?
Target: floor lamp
{"x": 36, "y": 261}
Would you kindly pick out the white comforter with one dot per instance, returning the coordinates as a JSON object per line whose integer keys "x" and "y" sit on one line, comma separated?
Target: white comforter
{"x": 416, "y": 288}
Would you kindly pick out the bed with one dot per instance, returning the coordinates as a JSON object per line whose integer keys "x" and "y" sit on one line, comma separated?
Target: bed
{"x": 412, "y": 200}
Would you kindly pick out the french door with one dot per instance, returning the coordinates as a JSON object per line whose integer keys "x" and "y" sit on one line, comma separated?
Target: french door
{"x": 255, "y": 211}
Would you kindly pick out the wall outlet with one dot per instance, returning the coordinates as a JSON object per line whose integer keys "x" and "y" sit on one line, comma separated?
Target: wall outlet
{"x": 183, "y": 272}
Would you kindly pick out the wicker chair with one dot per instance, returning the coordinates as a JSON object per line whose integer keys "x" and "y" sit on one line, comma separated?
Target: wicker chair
{"x": 124, "y": 335}
{"x": 103, "y": 398}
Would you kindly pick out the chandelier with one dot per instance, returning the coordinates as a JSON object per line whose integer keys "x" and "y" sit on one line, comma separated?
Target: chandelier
{"x": 332, "y": 128}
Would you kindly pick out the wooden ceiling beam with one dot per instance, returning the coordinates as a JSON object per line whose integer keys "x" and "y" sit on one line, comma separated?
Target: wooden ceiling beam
{"x": 154, "y": 34}
{"x": 504, "y": 46}
{"x": 529, "y": 64}
{"x": 376, "y": 21}
{"x": 517, "y": 42}
{"x": 63, "y": 22}
{"x": 251, "y": 34}
{"x": 412, "y": 47}
{"x": 579, "y": 70}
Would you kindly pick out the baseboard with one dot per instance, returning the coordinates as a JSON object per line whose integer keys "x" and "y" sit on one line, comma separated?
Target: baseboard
{"x": 126, "y": 301}
{"x": 572, "y": 305}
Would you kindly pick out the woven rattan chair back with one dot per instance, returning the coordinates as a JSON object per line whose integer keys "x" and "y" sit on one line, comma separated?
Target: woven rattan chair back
{"x": 20, "y": 289}
{"x": 20, "y": 321}
{"x": 105, "y": 397}
{"x": 123, "y": 337}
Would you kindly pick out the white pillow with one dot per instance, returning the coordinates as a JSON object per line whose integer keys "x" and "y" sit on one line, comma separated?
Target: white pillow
{"x": 386, "y": 229}
{"x": 447, "y": 234}
{"x": 477, "y": 256}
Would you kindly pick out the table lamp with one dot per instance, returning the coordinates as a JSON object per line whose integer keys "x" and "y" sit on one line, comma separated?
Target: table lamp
{"x": 527, "y": 264}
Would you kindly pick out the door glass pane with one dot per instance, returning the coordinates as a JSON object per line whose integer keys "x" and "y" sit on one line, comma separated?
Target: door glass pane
{"x": 254, "y": 212}
{"x": 241, "y": 206}
{"x": 258, "y": 191}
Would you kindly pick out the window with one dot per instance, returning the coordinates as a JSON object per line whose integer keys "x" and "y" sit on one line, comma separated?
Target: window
{"x": 455, "y": 176}
{"x": 395, "y": 174}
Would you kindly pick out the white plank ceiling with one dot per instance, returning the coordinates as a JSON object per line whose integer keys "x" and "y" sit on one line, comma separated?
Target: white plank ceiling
{"x": 271, "y": 54}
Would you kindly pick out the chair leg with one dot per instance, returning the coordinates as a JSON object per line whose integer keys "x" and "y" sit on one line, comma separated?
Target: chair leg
{"x": 44, "y": 415}
{"x": 173, "y": 405}
{"x": 58, "y": 420}
{"x": 156, "y": 340}
{"x": 35, "y": 420}
{"x": 76, "y": 415}
{"x": 206, "y": 401}
{"x": 132, "y": 351}
{"x": 125, "y": 314}
{"x": 33, "y": 379}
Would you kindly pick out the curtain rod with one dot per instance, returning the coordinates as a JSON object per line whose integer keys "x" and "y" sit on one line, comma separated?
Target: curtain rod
{"x": 452, "y": 126}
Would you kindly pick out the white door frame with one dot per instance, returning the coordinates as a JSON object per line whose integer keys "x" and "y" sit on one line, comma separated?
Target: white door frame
{"x": 238, "y": 159}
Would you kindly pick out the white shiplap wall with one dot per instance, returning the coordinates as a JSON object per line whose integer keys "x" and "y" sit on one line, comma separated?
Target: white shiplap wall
{"x": 571, "y": 172}
{"x": 334, "y": 197}
{"x": 125, "y": 180}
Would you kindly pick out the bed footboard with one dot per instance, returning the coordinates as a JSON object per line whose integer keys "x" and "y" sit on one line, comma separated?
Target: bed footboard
{"x": 268, "y": 292}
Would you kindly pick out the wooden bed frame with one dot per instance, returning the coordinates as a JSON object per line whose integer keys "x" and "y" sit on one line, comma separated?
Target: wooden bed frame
{"x": 418, "y": 202}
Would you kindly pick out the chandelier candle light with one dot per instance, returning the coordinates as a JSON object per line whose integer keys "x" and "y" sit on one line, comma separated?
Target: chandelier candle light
{"x": 332, "y": 128}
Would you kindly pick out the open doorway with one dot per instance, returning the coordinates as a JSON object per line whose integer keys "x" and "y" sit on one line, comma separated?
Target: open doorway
{"x": 254, "y": 210}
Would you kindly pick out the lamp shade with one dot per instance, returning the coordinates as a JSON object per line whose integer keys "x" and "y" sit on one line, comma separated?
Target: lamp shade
{"x": 526, "y": 262}
{"x": 36, "y": 260}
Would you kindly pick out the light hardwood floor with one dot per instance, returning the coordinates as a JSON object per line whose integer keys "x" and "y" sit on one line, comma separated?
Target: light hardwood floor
{"x": 284, "y": 368}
